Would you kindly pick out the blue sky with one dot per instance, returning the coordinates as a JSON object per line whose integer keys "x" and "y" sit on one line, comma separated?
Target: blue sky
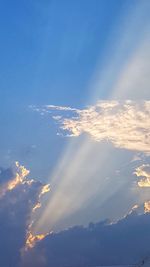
{"x": 49, "y": 51}
{"x": 75, "y": 112}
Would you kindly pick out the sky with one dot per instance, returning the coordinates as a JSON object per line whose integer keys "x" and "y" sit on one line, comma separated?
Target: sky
{"x": 50, "y": 53}
{"x": 74, "y": 111}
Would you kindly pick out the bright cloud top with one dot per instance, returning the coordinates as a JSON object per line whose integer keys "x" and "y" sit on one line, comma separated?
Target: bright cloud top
{"x": 126, "y": 124}
{"x": 143, "y": 171}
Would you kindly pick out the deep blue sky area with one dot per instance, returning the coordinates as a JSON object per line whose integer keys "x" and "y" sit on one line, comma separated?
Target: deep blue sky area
{"x": 49, "y": 49}
{"x": 48, "y": 54}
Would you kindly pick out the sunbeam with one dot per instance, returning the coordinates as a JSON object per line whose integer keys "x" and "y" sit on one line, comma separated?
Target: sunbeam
{"x": 78, "y": 175}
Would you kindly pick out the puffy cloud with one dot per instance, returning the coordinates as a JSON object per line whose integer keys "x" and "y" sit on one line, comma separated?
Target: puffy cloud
{"x": 126, "y": 124}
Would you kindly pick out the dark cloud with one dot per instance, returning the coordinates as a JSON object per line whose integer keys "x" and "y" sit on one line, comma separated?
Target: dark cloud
{"x": 126, "y": 242}
{"x": 16, "y": 204}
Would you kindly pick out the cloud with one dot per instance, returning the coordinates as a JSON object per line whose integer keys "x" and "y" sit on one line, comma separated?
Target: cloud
{"x": 147, "y": 207}
{"x": 125, "y": 124}
{"x": 53, "y": 107}
{"x": 123, "y": 243}
{"x": 19, "y": 195}
{"x": 77, "y": 246}
{"x": 143, "y": 171}
{"x": 33, "y": 239}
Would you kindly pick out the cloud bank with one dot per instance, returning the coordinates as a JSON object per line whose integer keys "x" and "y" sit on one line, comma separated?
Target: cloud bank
{"x": 123, "y": 243}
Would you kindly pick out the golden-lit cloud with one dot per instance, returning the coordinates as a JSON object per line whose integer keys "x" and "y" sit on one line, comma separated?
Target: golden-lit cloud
{"x": 45, "y": 189}
{"x": 21, "y": 175}
{"x": 125, "y": 124}
{"x": 33, "y": 239}
{"x": 143, "y": 171}
{"x": 147, "y": 207}
{"x": 37, "y": 206}
{"x": 19, "y": 178}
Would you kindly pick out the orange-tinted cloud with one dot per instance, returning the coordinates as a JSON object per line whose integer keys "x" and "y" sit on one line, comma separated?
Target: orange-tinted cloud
{"x": 33, "y": 239}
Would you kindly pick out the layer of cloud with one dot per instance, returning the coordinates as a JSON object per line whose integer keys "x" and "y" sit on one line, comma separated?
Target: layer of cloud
{"x": 125, "y": 124}
{"x": 123, "y": 243}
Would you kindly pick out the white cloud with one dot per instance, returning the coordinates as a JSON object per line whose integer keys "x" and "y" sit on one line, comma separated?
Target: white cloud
{"x": 125, "y": 124}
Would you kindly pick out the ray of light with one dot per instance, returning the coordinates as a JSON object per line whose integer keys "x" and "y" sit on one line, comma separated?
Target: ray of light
{"x": 75, "y": 179}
